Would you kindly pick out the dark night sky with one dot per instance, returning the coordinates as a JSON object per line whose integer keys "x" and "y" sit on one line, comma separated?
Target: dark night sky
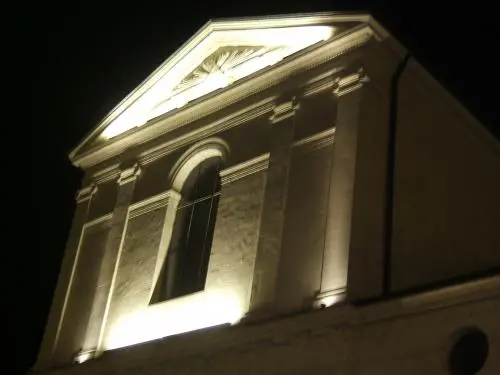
{"x": 90, "y": 55}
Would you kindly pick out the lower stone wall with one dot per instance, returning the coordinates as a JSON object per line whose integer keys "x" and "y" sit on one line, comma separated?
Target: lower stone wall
{"x": 410, "y": 335}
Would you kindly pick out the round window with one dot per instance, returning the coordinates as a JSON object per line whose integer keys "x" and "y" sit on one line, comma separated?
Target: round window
{"x": 469, "y": 352}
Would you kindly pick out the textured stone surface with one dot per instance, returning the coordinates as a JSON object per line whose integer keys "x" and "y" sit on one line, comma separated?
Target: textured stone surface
{"x": 49, "y": 342}
{"x": 316, "y": 114}
{"x": 234, "y": 245}
{"x": 366, "y": 252}
{"x": 304, "y": 233}
{"x": 247, "y": 140}
{"x": 437, "y": 228}
{"x": 104, "y": 200}
{"x": 154, "y": 178}
{"x": 447, "y": 188}
{"x": 82, "y": 292}
{"x": 137, "y": 263}
{"x": 273, "y": 214}
{"x": 404, "y": 336}
{"x": 340, "y": 196}
{"x": 105, "y": 269}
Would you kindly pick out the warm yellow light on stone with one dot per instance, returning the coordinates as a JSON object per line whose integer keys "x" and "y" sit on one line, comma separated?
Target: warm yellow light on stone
{"x": 247, "y": 52}
{"x": 331, "y": 300}
{"x": 184, "y": 314}
{"x": 84, "y": 356}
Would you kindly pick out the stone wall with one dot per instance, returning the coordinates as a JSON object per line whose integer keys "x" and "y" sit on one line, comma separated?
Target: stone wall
{"x": 305, "y": 225}
{"x": 134, "y": 276}
{"x": 230, "y": 270}
{"x": 82, "y": 292}
{"x": 447, "y": 184}
{"x": 439, "y": 232}
{"x": 410, "y": 335}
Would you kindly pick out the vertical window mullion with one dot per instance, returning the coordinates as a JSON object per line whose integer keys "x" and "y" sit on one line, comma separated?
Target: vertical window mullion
{"x": 208, "y": 224}
{"x": 185, "y": 268}
{"x": 182, "y": 283}
{"x": 185, "y": 252}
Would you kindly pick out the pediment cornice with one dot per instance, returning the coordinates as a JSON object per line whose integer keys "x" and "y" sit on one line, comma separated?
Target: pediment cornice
{"x": 89, "y": 153}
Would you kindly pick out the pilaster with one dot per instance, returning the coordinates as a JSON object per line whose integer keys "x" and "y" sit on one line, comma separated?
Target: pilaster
{"x": 109, "y": 265}
{"x": 83, "y": 200}
{"x": 271, "y": 229}
{"x": 348, "y": 94}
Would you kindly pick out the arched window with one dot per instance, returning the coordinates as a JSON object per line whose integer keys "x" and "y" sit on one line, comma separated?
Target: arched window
{"x": 186, "y": 265}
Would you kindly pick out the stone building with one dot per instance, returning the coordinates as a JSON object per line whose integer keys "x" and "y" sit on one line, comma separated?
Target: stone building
{"x": 284, "y": 195}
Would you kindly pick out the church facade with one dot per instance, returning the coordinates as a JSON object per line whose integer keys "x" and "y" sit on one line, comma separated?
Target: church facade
{"x": 284, "y": 195}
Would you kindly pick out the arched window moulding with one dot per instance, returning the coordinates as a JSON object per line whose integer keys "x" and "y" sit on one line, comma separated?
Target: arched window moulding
{"x": 196, "y": 154}
{"x": 204, "y": 150}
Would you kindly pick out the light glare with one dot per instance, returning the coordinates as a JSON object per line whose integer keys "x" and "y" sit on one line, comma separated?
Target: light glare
{"x": 84, "y": 356}
{"x": 160, "y": 98}
{"x": 184, "y": 314}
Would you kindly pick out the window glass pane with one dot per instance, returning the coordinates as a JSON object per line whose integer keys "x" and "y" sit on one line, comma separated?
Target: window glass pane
{"x": 207, "y": 180}
{"x": 173, "y": 264}
{"x": 192, "y": 273}
{"x": 185, "y": 269}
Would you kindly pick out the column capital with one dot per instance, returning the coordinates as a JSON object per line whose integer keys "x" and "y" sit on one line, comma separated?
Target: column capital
{"x": 284, "y": 110}
{"x": 85, "y": 193}
{"x": 349, "y": 83}
{"x": 129, "y": 174}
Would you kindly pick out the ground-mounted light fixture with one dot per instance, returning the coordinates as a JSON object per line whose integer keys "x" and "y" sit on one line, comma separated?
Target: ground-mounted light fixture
{"x": 85, "y": 355}
{"x": 329, "y": 298}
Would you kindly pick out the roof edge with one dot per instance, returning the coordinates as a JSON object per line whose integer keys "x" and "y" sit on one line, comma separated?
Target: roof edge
{"x": 289, "y": 20}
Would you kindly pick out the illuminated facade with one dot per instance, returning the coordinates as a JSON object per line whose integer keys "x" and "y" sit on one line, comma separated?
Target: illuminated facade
{"x": 300, "y": 185}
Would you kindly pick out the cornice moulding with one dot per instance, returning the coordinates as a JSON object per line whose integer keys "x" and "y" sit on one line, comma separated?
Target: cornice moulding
{"x": 152, "y": 203}
{"x": 305, "y": 60}
{"x": 318, "y": 87}
{"x": 244, "y": 169}
{"x": 350, "y": 83}
{"x": 104, "y": 219}
{"x": 249, "y": 113}
{"x": 139, "y": 208}
{"x": 107, "y": 174}
{"x": 314, "y": 142}
{"x": 289, "y": 20}
{"x": 284, "y": 110}
{"x": 327, "y": 18}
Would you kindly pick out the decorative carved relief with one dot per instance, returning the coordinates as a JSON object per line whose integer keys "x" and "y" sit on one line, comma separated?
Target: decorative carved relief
{"x": 225, "y": 60}
{"x": 223, "y": 67}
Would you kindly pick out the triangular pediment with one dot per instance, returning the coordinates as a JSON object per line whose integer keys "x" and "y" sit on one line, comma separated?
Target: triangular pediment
{"x": 220, "y": 54}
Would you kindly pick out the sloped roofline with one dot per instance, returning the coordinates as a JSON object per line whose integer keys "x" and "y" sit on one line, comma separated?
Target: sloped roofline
{"x": 289, "y": 20}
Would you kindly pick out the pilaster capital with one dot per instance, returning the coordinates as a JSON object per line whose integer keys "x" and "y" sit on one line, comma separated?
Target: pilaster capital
{"x": 85, "y": 193}
{"x": 352, "y": 82}
{"x": 129, "y": 174}
{"x": 284, "y": 110}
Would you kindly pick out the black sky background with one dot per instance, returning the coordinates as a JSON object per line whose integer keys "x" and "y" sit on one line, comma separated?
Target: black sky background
{"x": 77, "y": 60}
